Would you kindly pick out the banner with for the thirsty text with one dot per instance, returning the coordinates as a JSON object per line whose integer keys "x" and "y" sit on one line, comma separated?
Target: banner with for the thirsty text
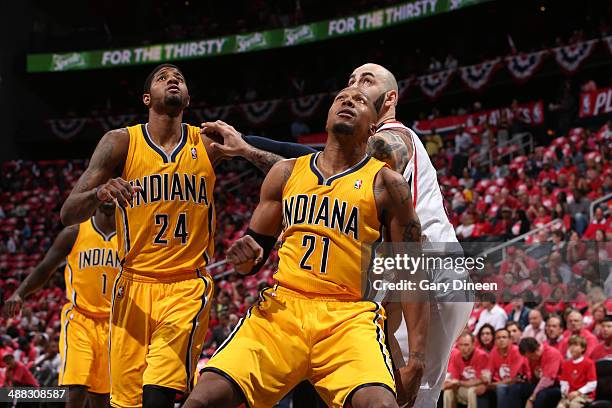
{"x": 239, "y": 43}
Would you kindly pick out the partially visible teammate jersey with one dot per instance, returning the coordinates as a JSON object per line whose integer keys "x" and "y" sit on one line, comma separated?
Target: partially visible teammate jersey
{"x": 168, "y": 229}
{"x": 327, "y": 223}
{"x": 91, "y": 267}
{"x": 427, "y": 198}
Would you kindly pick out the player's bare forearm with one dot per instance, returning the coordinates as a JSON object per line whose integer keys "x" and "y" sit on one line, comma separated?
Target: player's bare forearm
{"x": 403, "y": 226}
{"x": 261, "y": 159}
{"x": 106, "y": 162}
{"x": 389, "y": 147}
{"x": 53, "y": 258}
{"x": 249, "y": 253}
{"x": 42, "y": 272}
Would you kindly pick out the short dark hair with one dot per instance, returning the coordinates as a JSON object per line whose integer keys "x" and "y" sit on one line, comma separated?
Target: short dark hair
{"x": 607, "y": 318}
{"x": 487, "y": 297}
{"x": 149, "y": 80}
{"x": 513, "y": 323}
{"x": 501, "y": 330}
{"x": 528, "y": 345}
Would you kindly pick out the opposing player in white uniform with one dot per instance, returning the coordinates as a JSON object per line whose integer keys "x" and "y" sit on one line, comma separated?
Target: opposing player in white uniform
{"x": 401, "y": 149}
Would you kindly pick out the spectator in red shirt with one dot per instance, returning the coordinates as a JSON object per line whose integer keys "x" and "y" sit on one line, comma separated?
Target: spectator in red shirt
{"x": 575, "y": 326}
{"x": 604, "y": 350}
{"x": 485, "y": 336}
{"x": 598, "y": 222}
{"x": 554, "y": 331}
{"x": 17, "y": 375}
{"x": 506, "y": 366}
{"x": 515, "y": 331}
{"x": 465, "y": 370}
{"x": 578, "y": 376}
{"x": 544, "y": 368}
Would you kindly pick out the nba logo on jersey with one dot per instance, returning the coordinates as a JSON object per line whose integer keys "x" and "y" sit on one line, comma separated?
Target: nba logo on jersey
{"x": 358, "y": 184}
{"x": 194, "y": 153}
{"x": 120, "y": 292}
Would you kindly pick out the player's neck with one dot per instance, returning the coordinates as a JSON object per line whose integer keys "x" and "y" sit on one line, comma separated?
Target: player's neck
{"x": 387, "y": 116}
{"x": 164, "y": 129}
{"x": 337, "y": 157}
{"x": 105, "y": 222}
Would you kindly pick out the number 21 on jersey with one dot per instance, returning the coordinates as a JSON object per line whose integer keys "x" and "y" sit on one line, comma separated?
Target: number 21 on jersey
{"x": 311, "y": 243}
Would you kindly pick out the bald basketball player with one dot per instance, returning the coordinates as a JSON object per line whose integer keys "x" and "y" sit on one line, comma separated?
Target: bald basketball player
{"x": 401, "y": 149}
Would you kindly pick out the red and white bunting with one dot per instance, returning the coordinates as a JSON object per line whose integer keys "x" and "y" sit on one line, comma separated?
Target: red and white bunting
{"x": 403, "y": 86}
{"x": 608, "y": 41}
{"x": 110, "y": 122}
{"x": 523, "y": 66}
{"x": 305, "y": 106}
{"x": 477, "y": 76}
{"x": 258, "y": 112}
{"x": 570, "y": 57}
{"x": 432, "y": 85}
{"x": 212, "y": 113}
{"x": 67, "y": 128}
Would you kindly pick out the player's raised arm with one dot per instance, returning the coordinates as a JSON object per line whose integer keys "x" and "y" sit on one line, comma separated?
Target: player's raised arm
{"x": 100, "y": 182}
{"x": 40, "y": 275}
{"x": 395, "y": 199}
{"x": 223, "y": 141}
{"x": 249, "y": 253}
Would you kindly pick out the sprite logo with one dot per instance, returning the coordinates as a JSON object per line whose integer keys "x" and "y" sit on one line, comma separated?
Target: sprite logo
{"x": 62, "y": 62}
{"x": 250, "y": 41}
{"x": 298, "y": 34}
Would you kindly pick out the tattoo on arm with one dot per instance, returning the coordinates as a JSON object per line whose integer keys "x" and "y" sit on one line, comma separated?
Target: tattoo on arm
{"x": 389, "y": 147}
{"x": 412, "y": 231}
{"x": 264, "y": 160}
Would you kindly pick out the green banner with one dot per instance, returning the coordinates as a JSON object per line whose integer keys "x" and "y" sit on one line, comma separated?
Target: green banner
{"x": 233, "y": 44}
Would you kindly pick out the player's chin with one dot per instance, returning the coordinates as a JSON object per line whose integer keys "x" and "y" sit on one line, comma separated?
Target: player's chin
{"x": 344, "y": 126}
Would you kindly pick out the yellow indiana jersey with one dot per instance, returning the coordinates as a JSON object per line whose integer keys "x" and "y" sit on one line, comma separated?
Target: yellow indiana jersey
{"x": 91, "y": 268}
{"x": 168, "y": 229}
{"x": 327, "y": 223}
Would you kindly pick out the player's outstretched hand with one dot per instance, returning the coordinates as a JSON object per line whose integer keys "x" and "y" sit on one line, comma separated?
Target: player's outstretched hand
{"x": 244, "y": 253}
{"x": 227, "y": 139}
{"x": 407, "y": 383}
{"x": 117, "y": 190}
{"x": 13, "y": 305}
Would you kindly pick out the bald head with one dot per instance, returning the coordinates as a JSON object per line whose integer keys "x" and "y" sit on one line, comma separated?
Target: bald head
{"x": 382, "y": 74}
{"x": 380, "y": 86}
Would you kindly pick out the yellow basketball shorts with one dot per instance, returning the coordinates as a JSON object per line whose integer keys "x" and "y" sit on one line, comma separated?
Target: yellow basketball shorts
{"x": 157, "y": 330}
{"x": 286, "y": 338}
{"x": 84, "y": 350}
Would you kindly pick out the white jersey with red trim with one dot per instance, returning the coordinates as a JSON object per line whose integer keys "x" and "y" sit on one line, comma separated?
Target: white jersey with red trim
{"x": 423, "y": 179}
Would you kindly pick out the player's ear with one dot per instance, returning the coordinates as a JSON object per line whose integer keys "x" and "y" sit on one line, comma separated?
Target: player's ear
{"x": 188, "y": 100}
{"x": 146, "y": 99}
{"x": 391, "y": 99}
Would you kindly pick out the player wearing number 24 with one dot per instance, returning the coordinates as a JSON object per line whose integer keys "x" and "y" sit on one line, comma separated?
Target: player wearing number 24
{"x": 161, "y": 176}
{"x": 92, "y": 262}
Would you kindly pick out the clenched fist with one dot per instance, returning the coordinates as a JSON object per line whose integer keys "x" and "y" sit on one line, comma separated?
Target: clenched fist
{"x": 244, "y": 253}
{"x": 117, "y": 190}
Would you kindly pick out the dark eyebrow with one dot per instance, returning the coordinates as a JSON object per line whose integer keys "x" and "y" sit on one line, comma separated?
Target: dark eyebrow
{"x": 367, "y": 73}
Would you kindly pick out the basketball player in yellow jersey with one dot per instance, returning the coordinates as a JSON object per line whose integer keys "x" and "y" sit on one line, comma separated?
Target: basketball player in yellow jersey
{"x": 161, "y": 175}
{"x": 313, "y": 324}
{"x": 92, "y": 262}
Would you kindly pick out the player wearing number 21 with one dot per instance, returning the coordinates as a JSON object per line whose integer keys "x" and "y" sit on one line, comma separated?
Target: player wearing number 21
{"x": 92, "y": 262}
{"x": 161, "y": 176}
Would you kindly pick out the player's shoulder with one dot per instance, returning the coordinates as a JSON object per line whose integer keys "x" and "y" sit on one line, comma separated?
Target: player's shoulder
{"x": 389, "y": 176}
{"x": 283, "y": 168}
{"x": 118, "y": 134}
